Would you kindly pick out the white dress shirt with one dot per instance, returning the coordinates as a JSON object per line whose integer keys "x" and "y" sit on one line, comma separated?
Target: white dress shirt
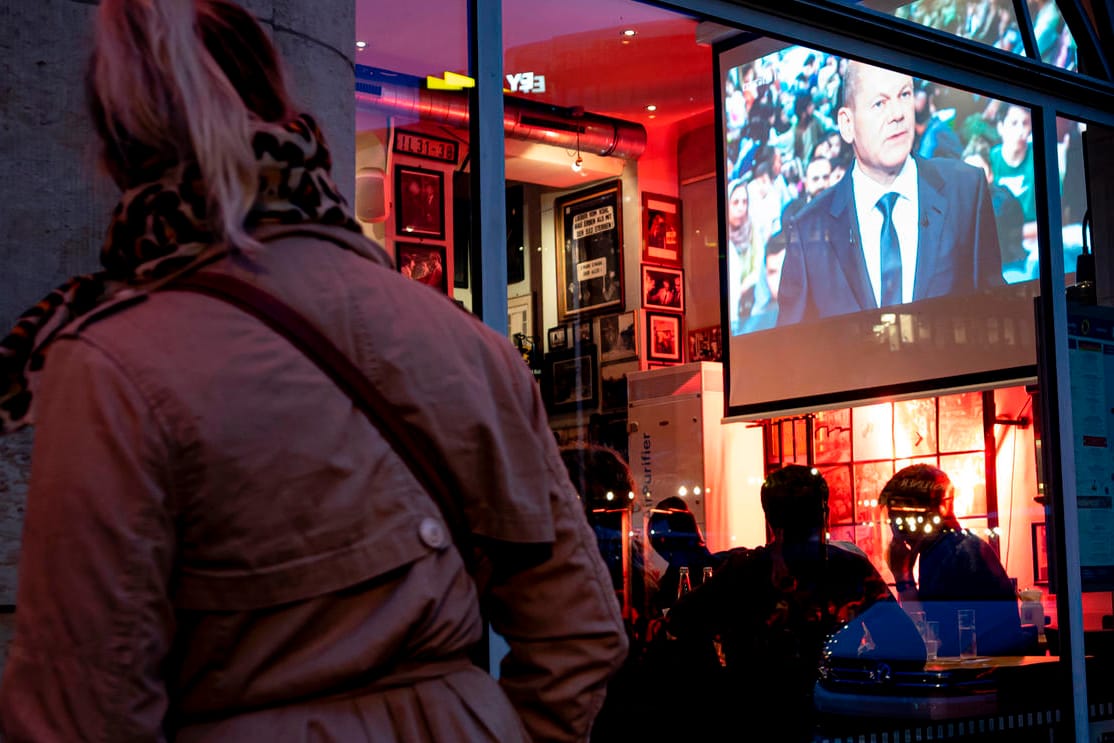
{"x": 905, "y": 215}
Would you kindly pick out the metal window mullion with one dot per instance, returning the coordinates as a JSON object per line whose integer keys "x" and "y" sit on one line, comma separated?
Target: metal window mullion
{"x": 1025, "y": 27}
{"x": 1057, "y": 444}
{"x": 1087, "y": 44}
{"x": 921, "y": 51}
{"x": 488, "y": 161}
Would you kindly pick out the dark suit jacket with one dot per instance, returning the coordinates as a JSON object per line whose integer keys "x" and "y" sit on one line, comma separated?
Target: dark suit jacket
{"x": 957, "y": 251}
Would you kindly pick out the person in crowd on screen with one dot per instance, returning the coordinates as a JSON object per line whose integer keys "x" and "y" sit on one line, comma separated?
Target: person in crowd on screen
{"x": 743, "y": 257}
{"x": 934, "y": 134}
{"x": 808, "y": 129}
{"x": 956, "y": 569}
{"x": 761, "y": 626}
{"x": 899, "y": 228}
{"x": 762, "y": 296}
{"x": 827, "y": 79}
{"x": 817, "y": 174}
{"x": 764, "y": 314}
{"x": 765, "y": 200}
{"x": 1047, "y": 26}
{"x": 1011, "y": 162}
{"x": 209, "y": 556}
{"x": 1008, "y": 215}
{"x": 841, "y": 163}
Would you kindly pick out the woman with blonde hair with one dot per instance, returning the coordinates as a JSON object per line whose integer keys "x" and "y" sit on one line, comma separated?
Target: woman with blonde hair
{"x": 218, "y": 543}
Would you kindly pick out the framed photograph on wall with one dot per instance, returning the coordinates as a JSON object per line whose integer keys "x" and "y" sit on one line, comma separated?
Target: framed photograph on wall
{"x": 613, "y": 384}
{"x": 520, "y": 316}
{"x": 558, "y": 338}
{"x": 582, "y": 331}
{"x": 663, "y": 288}
{"x": 424, "y": 263}
{"x": 1040, "y": 553}
{"x": 664, "y": 339}
{"x": 589, "y": 227}
{"x": 705, "y": 344}
{"x": 661, "y": 229}
{"x": 618, "y": 336}
{"x": 569, "y": 380}
{"x": 419, "y": 202}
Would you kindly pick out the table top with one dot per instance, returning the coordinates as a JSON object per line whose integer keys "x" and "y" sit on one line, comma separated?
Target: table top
{"x": 989, "y": 661}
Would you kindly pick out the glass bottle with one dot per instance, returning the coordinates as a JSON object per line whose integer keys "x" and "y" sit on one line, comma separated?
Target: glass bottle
{"x": 684, "y": 583}
{"x": 707, "y": 576}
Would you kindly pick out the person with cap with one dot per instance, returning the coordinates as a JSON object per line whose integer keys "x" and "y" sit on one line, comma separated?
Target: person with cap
{"x": 957, "y": 570}
{"x": 770, "y": 614}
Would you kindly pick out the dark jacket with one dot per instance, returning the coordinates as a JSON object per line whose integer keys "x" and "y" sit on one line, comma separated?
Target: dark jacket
{"x": 957, "y": 248}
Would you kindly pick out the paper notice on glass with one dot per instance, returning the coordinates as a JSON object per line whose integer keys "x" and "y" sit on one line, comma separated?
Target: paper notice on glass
{"x": 1091, "y": 360}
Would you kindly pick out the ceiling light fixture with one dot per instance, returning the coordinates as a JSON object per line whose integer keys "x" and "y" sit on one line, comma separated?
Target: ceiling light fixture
{"x": 361, "y": 44}
{"x": 651, "y": 107}
{"x": 629, "y": 32}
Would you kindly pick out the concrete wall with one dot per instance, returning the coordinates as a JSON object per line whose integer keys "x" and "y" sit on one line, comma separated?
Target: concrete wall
{"x": 54, "y": 202}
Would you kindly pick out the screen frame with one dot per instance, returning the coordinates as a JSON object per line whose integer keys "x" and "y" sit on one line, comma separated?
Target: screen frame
{"x": 768, "y": 42}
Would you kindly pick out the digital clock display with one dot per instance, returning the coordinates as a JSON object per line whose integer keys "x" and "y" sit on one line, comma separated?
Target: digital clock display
{"x": 423, "y": 145}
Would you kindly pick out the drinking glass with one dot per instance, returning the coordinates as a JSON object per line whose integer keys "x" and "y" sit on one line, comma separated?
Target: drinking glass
{"x": 968, "y": 648}
{"x": 931, "y": 640}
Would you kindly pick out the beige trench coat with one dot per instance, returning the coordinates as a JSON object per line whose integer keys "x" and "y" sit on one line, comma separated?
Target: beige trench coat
{"x": 218, "y": 546}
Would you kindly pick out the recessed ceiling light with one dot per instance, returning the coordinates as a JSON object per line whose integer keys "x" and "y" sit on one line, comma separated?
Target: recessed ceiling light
{"x": 361, "y": 44}
{"x": 651, "y": 107}
{"x": 629, "y": 32}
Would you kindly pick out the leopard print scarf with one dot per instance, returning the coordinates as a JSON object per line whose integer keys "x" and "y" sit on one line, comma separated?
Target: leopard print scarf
{"x": 157, "y": 230}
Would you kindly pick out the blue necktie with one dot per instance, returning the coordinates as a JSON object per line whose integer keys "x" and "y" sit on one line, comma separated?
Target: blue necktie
{"x": 891, "y": 252}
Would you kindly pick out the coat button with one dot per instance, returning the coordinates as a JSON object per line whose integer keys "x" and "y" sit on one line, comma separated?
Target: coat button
{"x": 432, "y": 533}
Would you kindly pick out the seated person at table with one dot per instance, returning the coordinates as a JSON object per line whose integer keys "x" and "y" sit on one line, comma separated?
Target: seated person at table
{"x": 675, "y": 537}
{"x": 604, "y": 483}
{"x": 771, "y": 613}
{"x": 957, "y": 570}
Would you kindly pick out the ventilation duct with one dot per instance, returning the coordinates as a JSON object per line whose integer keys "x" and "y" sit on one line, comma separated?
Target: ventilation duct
{"x": 522, "y": 119}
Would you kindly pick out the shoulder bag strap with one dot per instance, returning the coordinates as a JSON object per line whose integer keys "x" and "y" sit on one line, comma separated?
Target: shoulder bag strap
{"x": 412, "y": 445}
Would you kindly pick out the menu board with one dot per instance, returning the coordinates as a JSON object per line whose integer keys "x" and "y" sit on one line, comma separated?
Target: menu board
{"x": 1091, "y": 361}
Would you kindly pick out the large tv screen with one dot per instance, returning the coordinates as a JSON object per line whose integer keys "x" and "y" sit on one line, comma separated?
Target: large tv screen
{"x": 879, "y": 232}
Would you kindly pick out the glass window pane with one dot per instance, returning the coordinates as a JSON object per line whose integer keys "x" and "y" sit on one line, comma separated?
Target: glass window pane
{"x": 1073, "y": 191}
{"x": 873, "y": 427}
{"x": 990, "y": 22}
{"x": 772, "y": 435}
{"x": 1055, "y": 44}
{"x": 410, "y": 139}
{"x": 870, "y": 478}
{"x": 915, "y": 427}
{"x": 968, "y": 474}
{"x": 832, "y": 436}
{"x": 961, "y": 422}
{"x": 841, "y": 510}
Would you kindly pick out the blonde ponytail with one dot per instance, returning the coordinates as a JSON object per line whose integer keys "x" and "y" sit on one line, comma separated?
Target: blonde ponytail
{"x": 154, "y": 79}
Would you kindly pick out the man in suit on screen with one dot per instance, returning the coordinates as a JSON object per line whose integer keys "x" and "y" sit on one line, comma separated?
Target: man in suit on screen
{"x": 897, "y": 228}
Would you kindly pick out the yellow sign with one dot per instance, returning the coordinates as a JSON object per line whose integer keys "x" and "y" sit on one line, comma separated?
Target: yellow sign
{"x": 450, "y": 81}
